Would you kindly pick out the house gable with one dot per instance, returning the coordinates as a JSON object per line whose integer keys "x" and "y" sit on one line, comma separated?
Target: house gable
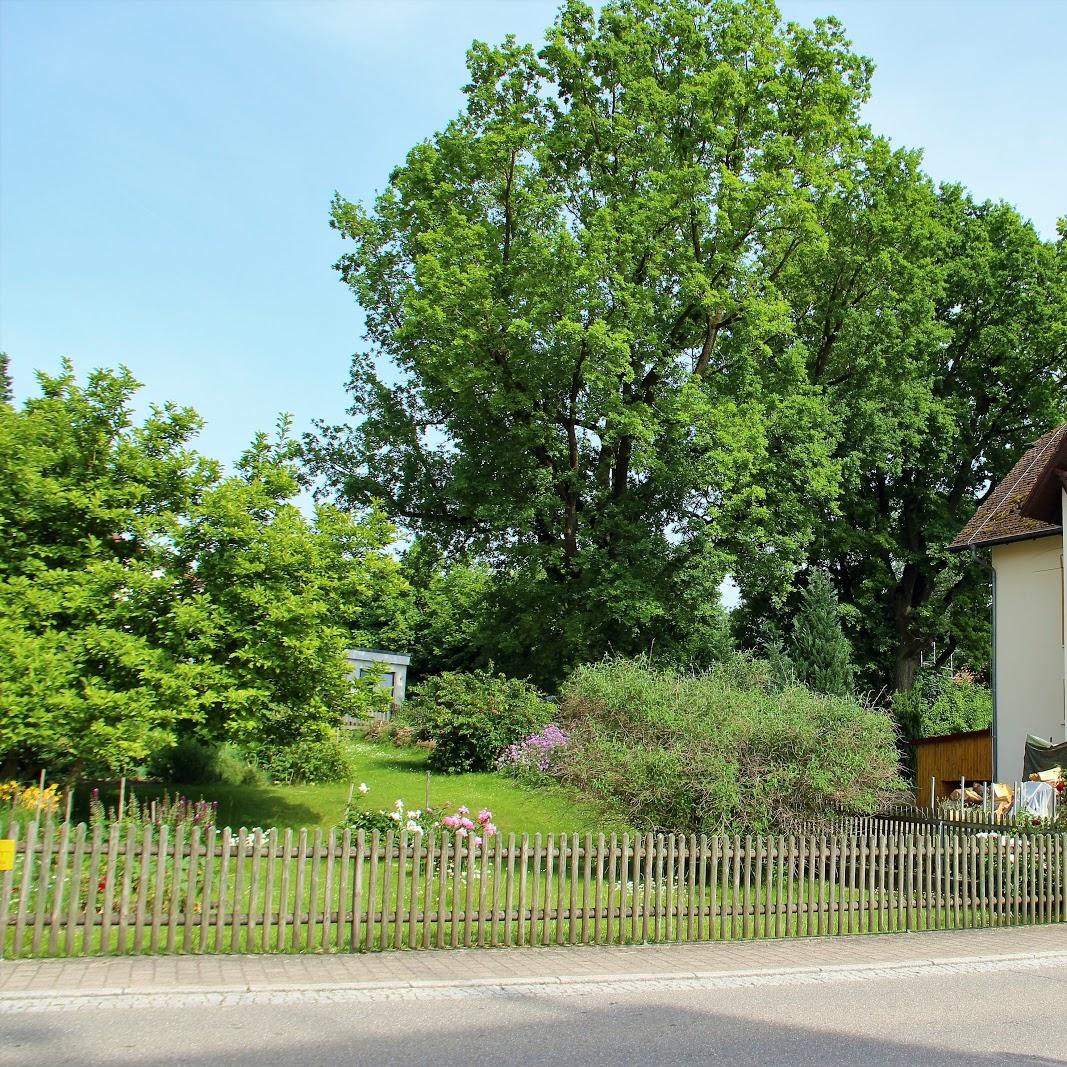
{"x": 1026, "y": 503}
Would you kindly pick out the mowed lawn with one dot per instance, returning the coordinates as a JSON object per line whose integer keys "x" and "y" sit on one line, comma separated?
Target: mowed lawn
{"x": 391, "y": 774}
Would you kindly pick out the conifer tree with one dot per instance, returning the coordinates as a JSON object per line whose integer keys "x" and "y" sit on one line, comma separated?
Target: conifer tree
{"x": 776, "y": 653}
{"x": 820, "y": 652}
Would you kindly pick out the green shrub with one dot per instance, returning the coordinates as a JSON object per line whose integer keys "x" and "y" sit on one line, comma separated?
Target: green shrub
{"x": 189, "y": 761}
{"x": 471, "y": 718}
{"x": 233, "y": 767}
{"x": 728, "y": 750}
{"x": 195, "y": 762}
{"x": 943, "y": 702}
{"x": 311, "y": 760}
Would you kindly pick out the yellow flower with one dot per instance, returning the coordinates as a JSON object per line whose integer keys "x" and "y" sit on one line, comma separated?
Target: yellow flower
{"x": 27, "y": 797}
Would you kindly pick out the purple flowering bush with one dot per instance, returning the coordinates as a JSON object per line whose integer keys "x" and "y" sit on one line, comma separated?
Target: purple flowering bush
{"x": 535, "y": 755}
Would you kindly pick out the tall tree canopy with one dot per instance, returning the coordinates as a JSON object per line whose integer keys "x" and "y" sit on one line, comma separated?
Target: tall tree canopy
{"x": 936, "y": 328}
{"x": 571, "y": 294}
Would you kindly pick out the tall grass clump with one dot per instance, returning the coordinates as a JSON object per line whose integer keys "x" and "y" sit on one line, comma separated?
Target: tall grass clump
{"x": 723, "y": 751}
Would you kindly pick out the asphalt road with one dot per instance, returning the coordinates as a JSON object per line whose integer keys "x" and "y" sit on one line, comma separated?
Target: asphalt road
{"x": 973, "y": 1019}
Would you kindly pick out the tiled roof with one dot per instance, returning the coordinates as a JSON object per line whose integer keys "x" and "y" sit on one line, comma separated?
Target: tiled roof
{"x": 1000, "y": 516}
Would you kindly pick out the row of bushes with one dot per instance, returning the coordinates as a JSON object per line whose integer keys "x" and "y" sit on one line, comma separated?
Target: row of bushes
{"x": 733, "y": 749}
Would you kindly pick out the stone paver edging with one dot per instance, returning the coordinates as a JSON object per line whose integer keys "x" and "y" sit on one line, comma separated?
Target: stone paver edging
{"x": 130, "y": 982}
{"x": 483, "y": 988}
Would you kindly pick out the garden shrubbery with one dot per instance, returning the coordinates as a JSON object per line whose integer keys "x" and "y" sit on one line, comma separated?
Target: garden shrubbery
{"x": 195, "y": 762}
{"x": 314, "y": 759}
{"x": 311, "y": 760}
{"x": 944, "y": 702}
{"x": 472, "y": 717}
{"x": 728, "y": 750}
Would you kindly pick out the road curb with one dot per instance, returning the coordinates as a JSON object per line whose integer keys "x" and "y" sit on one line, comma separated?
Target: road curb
{"x": 219, "y": 992}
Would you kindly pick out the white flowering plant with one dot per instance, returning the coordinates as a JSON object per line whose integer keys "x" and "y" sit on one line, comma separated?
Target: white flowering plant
{"x": 396, "y": 818}
{"x": 461, "y": 823}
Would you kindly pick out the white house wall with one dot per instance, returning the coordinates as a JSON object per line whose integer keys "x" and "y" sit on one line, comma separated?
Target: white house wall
{"x": 1030, "y": 655}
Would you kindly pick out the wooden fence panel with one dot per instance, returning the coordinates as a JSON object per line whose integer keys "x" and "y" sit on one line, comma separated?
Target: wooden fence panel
{"x": 142, "y": 889}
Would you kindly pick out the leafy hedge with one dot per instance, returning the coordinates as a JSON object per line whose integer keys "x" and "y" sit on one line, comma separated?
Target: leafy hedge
{"x": 472, "y": 718}
{"x": 723, "y": 751}
{"x": 944, "y": 702}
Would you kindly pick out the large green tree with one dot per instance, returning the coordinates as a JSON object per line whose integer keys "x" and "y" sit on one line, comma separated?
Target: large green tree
{"x": 89, "y": 505}
{"x": 936, "y": 328}
{"x": 144, "y": 595}
{"x": 570, "y": 294}
{"x": 267, "y": 600}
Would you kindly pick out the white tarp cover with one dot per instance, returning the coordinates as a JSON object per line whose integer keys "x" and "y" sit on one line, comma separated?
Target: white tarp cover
{"x": 1034, "y": 798}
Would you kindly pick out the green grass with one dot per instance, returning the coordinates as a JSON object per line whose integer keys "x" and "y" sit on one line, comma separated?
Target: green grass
{"x": 391, "y": 774}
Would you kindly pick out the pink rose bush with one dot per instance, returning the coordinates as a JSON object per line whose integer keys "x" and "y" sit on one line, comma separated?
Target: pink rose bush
{"x": 462, "y": 825}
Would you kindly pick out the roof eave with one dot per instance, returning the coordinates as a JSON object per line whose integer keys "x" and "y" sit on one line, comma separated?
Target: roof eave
{"x": 1032, "y": 535}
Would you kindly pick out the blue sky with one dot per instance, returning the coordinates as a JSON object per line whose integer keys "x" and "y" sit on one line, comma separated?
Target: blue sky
{"x": 166, "y": 168}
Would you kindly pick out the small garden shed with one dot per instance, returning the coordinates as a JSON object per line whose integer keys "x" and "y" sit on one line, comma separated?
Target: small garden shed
{"x": 946, "y": 759}
{"x": 391, "y": 668}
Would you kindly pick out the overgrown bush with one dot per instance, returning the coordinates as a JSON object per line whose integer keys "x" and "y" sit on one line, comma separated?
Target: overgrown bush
{"x": 195, "y": 762}
{"x": 728, "y": 750}
{"x": 944, "y": 702}
{"x": 472, "y": 717}
{"x": 311, "y": 760}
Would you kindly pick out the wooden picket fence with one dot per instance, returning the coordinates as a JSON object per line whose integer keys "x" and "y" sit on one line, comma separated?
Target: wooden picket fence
{"x": 134, "y": 890}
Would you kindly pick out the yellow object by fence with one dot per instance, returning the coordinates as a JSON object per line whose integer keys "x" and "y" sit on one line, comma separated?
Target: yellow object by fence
{"x": 7, "y": 853}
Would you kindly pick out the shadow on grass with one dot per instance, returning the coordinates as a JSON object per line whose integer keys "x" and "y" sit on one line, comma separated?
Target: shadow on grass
{"x": 239, "y": 805}
{"x": 404, "y": 760}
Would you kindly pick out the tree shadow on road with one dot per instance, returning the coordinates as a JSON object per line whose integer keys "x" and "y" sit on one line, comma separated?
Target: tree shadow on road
{"x": 468, "y": 1031}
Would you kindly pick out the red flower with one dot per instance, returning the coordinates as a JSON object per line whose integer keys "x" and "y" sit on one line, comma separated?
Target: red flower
{"x": 101, "y": 885}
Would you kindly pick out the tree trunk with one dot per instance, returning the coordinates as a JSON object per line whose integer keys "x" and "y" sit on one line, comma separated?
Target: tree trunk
{"x": 911, "y": 592}
{"x": 907, "y": 664}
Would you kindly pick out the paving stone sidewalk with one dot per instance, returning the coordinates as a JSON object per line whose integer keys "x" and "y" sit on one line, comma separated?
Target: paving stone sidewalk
{"x": 151, "y": 975}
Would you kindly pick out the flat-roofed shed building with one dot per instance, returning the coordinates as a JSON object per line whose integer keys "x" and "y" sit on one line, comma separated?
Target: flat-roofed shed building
{"x": 390, "y": 667}
{"x": 1023, "y": 522}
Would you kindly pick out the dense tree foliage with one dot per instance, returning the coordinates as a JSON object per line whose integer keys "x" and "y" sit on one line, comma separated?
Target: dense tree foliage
{"x": 655, "y": 307}
{"x": 936, "y": 329}
{"x": 446, "y": 615}
{"x": 574, "y": 284}
{"x": 145, "y": 595}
